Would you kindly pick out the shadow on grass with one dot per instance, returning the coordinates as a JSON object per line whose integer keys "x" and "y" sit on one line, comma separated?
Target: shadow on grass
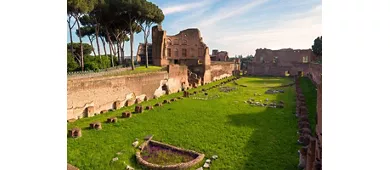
{"x": 272, "y": 144}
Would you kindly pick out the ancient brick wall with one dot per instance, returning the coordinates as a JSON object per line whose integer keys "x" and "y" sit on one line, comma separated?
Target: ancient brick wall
{"x": 102, "y": 92}
{"x": 219, "y": 70}
{"x": 275, "y": 69}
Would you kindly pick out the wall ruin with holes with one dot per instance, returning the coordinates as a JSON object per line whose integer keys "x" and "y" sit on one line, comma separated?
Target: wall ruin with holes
{"x": 220, "y": 70}
{"x": 100, "y": 93}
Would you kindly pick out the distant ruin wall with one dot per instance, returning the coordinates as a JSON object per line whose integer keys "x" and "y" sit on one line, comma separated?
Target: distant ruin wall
{"x": 272, "y": 69}
{"x": 221, "y": 70}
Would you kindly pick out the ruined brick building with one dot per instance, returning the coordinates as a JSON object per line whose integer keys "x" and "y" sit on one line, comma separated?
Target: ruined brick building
{"x": 187, "y": 48}
{"x": 219, "y": 56}
{"x": 141, "y": 56}
{"x": 279, "y": 62}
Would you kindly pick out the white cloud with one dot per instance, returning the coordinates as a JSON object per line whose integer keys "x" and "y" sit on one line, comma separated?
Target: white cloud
{"x": 185, "y": 7}
{"x": 290, "y": 31}
{"x": 231, "y": 11}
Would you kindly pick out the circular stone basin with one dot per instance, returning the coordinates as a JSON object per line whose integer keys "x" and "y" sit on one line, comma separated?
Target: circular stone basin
{"x": 157, "y": 155}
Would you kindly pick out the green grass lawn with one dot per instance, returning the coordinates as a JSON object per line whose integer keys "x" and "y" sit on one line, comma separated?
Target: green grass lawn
{"x": 310, "y": 93}
{"x": 243, "y": 136}
{"x": 141, "y": 69}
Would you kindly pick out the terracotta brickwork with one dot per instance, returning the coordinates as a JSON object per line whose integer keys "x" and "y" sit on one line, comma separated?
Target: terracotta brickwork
{"x": 277, "y": 62}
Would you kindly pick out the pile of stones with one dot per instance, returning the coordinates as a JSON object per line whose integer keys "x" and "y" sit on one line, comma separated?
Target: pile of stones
{"x": 271, "y": 91}
{"x": 207, "y": 98}
{"x": 273, "y": 104}
{"x": 207, "y": 164}
{"x": 227, "y": 89}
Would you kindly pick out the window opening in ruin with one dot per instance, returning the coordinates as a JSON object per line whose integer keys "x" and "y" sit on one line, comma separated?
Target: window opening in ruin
{"x": 169, "y": 52}
{"x": 184, "y": 42}
{"x": 305, "y": 59}
{"x": 176, "y": 52}
{"x": 275, "y": 60}
{"x": 175, "y": 42}
{"x": 261, "y": 59}
{"x": 169, "y": 42}
{"x": 184, "y": 52}
{"x": 176, "y": 61}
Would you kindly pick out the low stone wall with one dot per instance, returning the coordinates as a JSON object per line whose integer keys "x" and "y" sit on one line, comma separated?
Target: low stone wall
{"x": 274, "y": 69}
{"x": 186, "y": 165}
{"x": 89, "y": 96}
{"x": 220, "y": 70}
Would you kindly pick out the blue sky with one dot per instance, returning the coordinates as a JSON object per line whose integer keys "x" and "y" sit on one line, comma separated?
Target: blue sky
{"x": 241, "y": 26}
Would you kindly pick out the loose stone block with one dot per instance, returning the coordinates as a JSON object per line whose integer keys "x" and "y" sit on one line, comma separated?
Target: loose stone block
{"x": 173, "y": 100}
{"x": 95, "y": 125}
{"x": 139, "y": 109}
{"x": 303, "y": 125}
{"x": 129, "y": 102}
{"x": 158, "y": 105}
{"x": 112, "y": 120}
{"x": 71, "y": 120}
{"x": 117, "y": 104}
{"x": 90, "y": 111}
{"x": 74, "y": 133}
{"x": 103, "y": 111}
{"x": 166, "y": 102}
{"x": 149, "y": 108}
{"x": 126, "y": 114}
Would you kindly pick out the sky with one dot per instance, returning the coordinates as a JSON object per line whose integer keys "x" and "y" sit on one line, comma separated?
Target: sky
{"x": 239, "y": 26}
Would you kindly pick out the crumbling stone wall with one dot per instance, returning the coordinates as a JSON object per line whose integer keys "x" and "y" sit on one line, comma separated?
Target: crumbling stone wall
{"x": 103, "y": 92}
{"x": 221, "y": 70}
{"x": 276, "y": 62}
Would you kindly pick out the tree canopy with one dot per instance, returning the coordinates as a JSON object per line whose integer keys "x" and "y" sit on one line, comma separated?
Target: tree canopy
{"x": 114, "y": 21}
{"x": 317, "y": 46}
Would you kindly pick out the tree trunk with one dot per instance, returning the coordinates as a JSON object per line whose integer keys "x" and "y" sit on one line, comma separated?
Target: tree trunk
{"x": 119, "y": 54}
{"x": 104, "y": 46}
{"x": 81, "y": 44}
{"x": 97, "y": 40}
{"x": 146, "y": 49}
{"x": 93, "y": 50}
{"x": 71, "y": 39}
{"x": 111, "y": 48}
{"x": 131, "y": 48}
{"x": 123, "y": 52}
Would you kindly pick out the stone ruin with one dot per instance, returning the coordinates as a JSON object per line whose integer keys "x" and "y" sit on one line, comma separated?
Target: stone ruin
{"x": 146, "y": 98}
{"x": 117, "y": 105}
{"x": 166, "y": 102}
{"x": 137, "y": 101}
{"x": 227, "y": 89}
{"x": 158, "y": 104}
{"x": 139, "y": 109}
{"x": 149, "y": 108}
{"x": 112, "y": 120}
{"x": 126, "y": 114}
{"x": 74, "y": 133}
{"x": 310, "y": 153}
{"x": 95, "y": 125}
{"x": 271, "y": 91}
{"x": 103, "y": 111}
{"x": 186, "y": 94}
